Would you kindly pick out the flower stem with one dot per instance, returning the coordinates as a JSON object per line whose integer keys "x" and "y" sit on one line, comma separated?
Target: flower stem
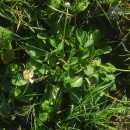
{"x": 64, "y": 33}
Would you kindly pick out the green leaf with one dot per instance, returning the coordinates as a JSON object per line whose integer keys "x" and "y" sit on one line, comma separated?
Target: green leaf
{"x": 95, "y": 78}
{"x": 34, "y": 51}
{"x": 7, "y": 56}
{"x": 7, "y": 53}
{"x": 55, "y": 3}
{"x": 45, "y": 105}
{"x": 72, "y": 52}
{"x": 73, "y": 61}
{"x": 17, "y": 92}
{"x": 79, "y": 5}
{"x": 43, "y": 116}
{"x": 88, "y": 43}
{"x": 107, "y": 49}
{"x": 58, "y": 100}
{"x": 107, "y": 76}
{"x": 83, "y": 53}
{"x": 14, "y": 68}
{"x": 67, "y": 79}
{"x": 5, "y": 108}
{"x": 82, "y": 36}
{"x": 113, "y": 87}
{"x": 60, "y": 46}
{"x": 104, "y": 50}
{"x": 54, "y": 41}
{"x": 99, "y": 52}
{"x": 54, "y": 92}
{"x": 5, "y": 37}
{"x": 76, "y": 82}
{"x": 32, "y": 64}
{"x": 18, "y": 80}
{"x": 97, "y": 37}
{"x": 42, "y": 36}
{"x": 110, "y": 68}
{"x": 89, "y": 71}
{"x": 129, "y": 66}
{"x": 52, "y": 59}
{"x": 91, "y": 50}
{"x": 97, "y": 61}
{"x": 44, "y": 69}
{"x": 110, "y": 77}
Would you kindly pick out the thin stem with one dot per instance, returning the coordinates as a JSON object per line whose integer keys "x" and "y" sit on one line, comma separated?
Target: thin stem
{"x": 121, "y": 70}
{"x": 107, "y": 95}
{"x": 64, "y": 33}
{"x": 59, "y": 10}
{"x": 25, "y": 89}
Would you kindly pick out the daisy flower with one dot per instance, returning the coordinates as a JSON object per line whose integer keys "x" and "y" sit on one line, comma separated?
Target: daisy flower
{"x": 28, "y": 74}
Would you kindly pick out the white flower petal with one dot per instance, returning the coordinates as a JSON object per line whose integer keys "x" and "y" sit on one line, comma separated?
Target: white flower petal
{"x": 31, "y": 81}
{"x": 31, "y": 73}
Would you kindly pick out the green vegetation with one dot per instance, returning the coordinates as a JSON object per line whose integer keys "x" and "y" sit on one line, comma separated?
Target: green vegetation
{"x": 64, "y": 66}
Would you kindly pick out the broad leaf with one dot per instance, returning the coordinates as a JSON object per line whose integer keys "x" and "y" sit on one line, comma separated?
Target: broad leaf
{"x": 102, "y": 51}
{"x": 82, "y": 36}
{"x": 7, "y": 56}
{"x": 88, "y": 43}
{"x": 43, "y": 116}
{"x": 110, "y": 68}
{"x": 76, "y": 82}
{"x": 5, "y": 108}
{"x": 79, "y": 5}
{"x": 89, "y": 71}
{"x": 18, "y": 80}
{"x": 73, "y": 61}
{"x": 44, "y": 69}
{"x": 107, "y": 49}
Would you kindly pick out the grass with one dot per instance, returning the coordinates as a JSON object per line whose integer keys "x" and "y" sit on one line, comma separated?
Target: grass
{"x": 74, "y": 79}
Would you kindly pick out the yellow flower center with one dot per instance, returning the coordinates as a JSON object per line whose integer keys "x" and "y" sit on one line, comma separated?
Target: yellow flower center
{"x": 27, "y": 75}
